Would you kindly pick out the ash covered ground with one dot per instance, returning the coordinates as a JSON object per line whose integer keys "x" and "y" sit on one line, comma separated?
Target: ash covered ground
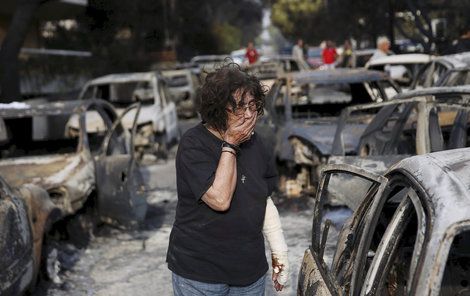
{"x": 132, "y": 262}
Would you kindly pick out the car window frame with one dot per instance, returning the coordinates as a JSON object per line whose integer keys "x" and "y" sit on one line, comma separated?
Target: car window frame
{"x": 438, "y": 268}
{"x": 370, "y": 204}
{"x": 378, "y": 271}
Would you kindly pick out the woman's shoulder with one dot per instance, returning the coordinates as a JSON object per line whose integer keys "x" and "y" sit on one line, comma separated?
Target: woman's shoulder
{"x": 194, "y": 133}
{"x": 197, "y": 137}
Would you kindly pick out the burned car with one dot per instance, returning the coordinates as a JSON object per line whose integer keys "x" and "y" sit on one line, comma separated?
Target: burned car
{"x": 374, "y": 136}
{"x": 456, "y": 76}
{"x": 287, "y": 63}
{"x": 72, "y": 164}
{"x": 208, "y": 61}
{"x": 266, "y": 72}
{"x": 410, "y": 235}
{"x": 448, "y": 70}
{"x": 402, "y": 68}
{"x": 56, "y": 170}
{"x": 182, "y": 85}
{"x": 157, "y": 126}
{"x": 305, "y": 105}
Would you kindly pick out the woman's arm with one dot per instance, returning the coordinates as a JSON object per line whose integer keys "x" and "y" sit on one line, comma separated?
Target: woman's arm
{"x": 272, "y": 230}
{"x": 219, "y": 195}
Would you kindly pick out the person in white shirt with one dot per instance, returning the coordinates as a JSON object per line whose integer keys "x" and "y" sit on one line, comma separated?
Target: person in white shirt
{"x": 298, "y": 50}
{"x": 383, "y": 48}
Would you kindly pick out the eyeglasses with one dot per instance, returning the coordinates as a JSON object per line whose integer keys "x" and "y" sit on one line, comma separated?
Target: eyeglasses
{"x": 241, "y": 109}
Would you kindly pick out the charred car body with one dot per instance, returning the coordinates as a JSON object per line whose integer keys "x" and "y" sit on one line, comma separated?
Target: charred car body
{"x": 448, "y": 70}
{"x": 55, "y": 171}
{"x": 182, "y": 85}
{"x": 304, "y": 105}
{"x": 375, "y": 136}
{"x": 287, "y": 63}
{"x": 402, "y": 68}
{"x": 410, "y": 235}
{"x": 157, "y": 126}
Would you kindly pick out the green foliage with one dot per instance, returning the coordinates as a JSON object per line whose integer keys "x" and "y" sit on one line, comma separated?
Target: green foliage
{"x": 228, "y": 37}
{"x": 199, "y": 25}
{"x": 365, "y": 20}
{"x": 318, "y": 20}
{"x": 287, "y": 14}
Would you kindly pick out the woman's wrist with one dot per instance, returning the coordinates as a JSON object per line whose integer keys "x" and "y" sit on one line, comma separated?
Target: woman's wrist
{"x": 227, "y": 145}
{"x": 230, "y": 151}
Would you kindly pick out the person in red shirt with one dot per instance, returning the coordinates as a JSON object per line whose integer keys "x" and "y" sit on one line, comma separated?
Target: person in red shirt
{"x": 251, "y": 53}
{"x": 329, "y": 55}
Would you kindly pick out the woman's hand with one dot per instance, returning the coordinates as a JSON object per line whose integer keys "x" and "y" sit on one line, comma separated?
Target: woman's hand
{"x": 240, "y": 129}
{"x": 280, "y": 271}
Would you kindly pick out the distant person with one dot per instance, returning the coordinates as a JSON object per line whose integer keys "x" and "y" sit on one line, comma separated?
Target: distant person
{"x": 298, "y": 50}
{"x": 383, "y": 48}
{"x": 251, "y": 54}
{"x": 345, "y": 60}
{"x": 329, "y": 55}
{"x": 463, "y": 43}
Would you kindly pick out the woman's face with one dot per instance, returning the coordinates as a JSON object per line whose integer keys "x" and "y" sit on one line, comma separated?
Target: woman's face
{"x": 246, "y": 107}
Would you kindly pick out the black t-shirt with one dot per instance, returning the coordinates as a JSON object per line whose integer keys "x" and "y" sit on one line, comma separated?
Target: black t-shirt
{"x": 220, "y": 247}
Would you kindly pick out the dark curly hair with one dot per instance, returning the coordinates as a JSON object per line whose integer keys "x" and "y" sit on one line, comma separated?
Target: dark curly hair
{"x": 217, "y": 93}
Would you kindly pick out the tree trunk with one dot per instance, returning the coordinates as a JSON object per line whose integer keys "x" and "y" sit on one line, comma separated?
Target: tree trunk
{"x": 9, "y": 64}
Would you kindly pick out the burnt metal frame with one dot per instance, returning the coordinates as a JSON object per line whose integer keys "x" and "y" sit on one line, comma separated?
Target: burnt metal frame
{"x": 380, "y": 183}
{"x": 438, "y": 268}
{"x": 445, "y": 78}
{"x": 416, "y": 96}
{"x": 338, "y": 143}
{"x": 389, "y": 242}
{"x": 432, "y": 67}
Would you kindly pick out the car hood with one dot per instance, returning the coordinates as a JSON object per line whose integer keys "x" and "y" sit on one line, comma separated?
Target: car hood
{"x": 46, "y": 171}
{"x": 322, "y": 134}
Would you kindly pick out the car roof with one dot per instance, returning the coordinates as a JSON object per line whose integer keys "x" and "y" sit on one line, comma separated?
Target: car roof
{"x": 169, "y": 73}
{"x": 431, "y": 91}
{"x": 364, "y": 51}
{"x": 212, "y": 57}
{"x": 445, "y": 177}
{"x": 340, "y": 75}
{"x": 412, "y": 58}
{"x": 36, "y": 108}
{"x": 124, "y": 77}
{"x": 456, "y": 60}
{"x": 278, "y": 57}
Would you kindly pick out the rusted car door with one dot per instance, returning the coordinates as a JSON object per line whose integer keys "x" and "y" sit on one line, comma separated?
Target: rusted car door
{"x": 118, "y": 180}
{"x": 315, "y": 277}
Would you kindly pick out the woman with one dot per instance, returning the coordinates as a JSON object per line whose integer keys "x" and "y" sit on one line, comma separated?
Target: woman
{"x": 225, "y": 175}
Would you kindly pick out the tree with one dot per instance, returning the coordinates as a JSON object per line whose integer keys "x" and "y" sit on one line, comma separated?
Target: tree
{"x": 9, "y": 64}
{"x": 365, "y": 20}
{"x": 203, "y": 26}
